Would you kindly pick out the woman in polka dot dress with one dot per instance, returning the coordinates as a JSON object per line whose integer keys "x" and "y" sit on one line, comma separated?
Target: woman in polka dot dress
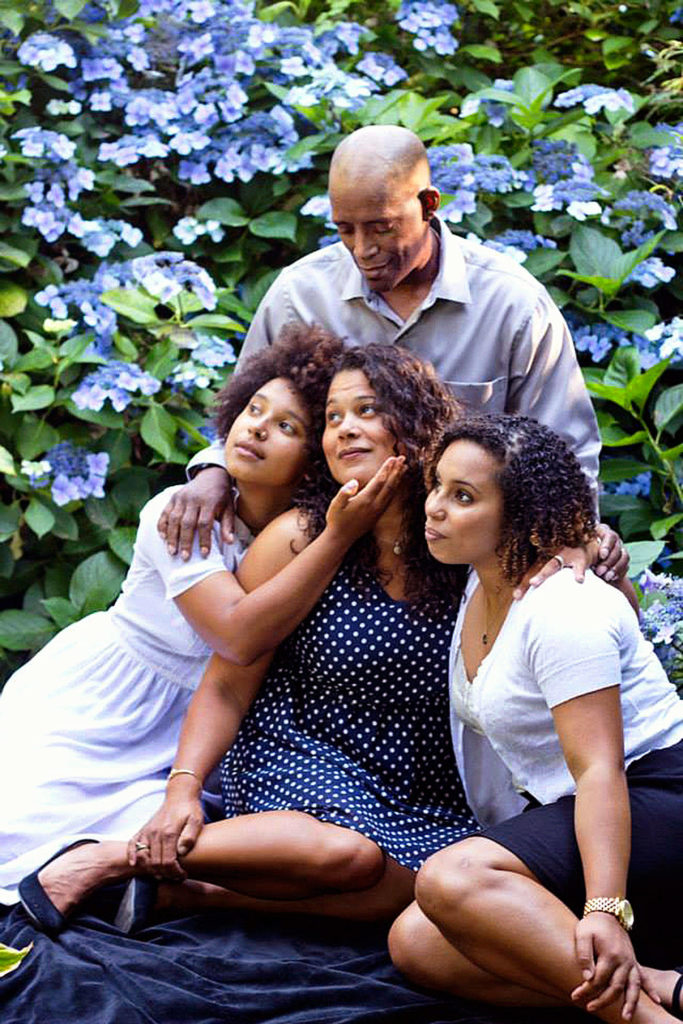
{"x": 340, "y": 778}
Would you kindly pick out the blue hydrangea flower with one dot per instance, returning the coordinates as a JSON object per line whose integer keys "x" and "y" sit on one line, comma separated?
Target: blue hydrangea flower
{"x": 189, "y": 229}
{"x": 116, "y": 383}
{"x": 381, "y": 68}
{"x": 45, "y": 51}
{"x": 74, "y": 472}
{"x": 662, "y": 618}
{"x": 39, "y": 143}
{"x": 668, "y": 337}
{"x": 493, "y": 112}
{"x": 645, "y": 205}
{"x": 639, "y": 486}
{"x": 651, "y": 272}
{"x": 667, "y": 161}
{"x": 430, "y": 22}
{"x": 598, "y": 339}
{"x": 166, "y": 274}
{"x": 595, "y": 98}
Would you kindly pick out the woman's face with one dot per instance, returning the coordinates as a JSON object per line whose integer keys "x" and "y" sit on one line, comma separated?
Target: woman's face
{"x": 267, "y": 442}
{"x": 355, "y": 441}
{"x": 464, "y": 509}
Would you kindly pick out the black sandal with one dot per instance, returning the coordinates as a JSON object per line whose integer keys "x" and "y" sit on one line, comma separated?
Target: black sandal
{"x": 36, "y": 902}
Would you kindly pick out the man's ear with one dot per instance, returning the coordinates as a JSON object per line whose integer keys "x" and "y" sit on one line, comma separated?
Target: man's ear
{"x": 429, "y": 201}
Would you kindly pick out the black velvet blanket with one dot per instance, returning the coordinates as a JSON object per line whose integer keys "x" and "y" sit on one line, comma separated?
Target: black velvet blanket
{"x": 241, "y": 969}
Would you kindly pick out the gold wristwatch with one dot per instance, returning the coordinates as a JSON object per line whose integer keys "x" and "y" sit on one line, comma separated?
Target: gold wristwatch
{"x": 621, "y": 909}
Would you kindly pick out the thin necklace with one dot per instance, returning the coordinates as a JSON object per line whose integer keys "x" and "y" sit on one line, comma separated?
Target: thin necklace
{"x": 489, "y": 635}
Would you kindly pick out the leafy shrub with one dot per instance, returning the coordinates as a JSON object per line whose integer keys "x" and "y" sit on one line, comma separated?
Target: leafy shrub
{"x": 162, "y": 160}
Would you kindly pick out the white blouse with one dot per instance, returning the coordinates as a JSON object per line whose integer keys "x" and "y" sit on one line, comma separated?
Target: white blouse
{"x": 562, "y": 640}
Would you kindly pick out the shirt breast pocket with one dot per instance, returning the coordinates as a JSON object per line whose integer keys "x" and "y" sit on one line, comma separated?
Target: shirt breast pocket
{"x": 485, "y": 395}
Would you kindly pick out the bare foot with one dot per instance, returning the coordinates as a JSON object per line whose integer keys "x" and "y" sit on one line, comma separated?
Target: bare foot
{"x": 78, "y": 872}
{"x": 663, "y": 983}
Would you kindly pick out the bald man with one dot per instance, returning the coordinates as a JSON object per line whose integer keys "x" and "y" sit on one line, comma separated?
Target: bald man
{"x": 399, "y": 276}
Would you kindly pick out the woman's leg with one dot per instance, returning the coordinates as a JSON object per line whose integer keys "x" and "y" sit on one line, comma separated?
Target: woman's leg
{"x": 261, "y": 858}
{"x": 497, "y": 916}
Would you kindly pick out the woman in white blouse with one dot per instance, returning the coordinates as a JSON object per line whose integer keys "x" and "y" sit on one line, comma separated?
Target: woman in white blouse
{"x": 561, "y": 709}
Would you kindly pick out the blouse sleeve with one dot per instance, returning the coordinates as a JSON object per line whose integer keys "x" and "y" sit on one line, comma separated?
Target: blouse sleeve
{"x": 573, "y": 638}
{"x": 177, "y": 575}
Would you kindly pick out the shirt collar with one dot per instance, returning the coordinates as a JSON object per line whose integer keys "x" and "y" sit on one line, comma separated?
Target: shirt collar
{"x": 450, "y": 282}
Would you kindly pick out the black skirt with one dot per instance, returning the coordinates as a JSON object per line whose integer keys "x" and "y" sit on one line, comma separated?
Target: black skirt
{"x": 544, "y": 838}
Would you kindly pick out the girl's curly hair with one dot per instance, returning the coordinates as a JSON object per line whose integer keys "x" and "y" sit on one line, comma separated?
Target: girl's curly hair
{"x": 547, "y": 500}
{"x": 302, "y": 355}
{"x": 414, "y": 405}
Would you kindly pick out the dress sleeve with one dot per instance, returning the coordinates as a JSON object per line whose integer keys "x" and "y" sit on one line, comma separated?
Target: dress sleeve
{"x": 178, "y": 576}
{"x": 573, "y": 638}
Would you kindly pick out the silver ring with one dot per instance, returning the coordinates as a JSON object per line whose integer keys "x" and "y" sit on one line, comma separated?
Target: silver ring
{"x": 141, "y": 846}
{"x": 560, "y": 560}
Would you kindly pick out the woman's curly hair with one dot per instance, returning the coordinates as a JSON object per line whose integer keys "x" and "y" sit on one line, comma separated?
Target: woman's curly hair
{"x": 304, "y": 356}
{"x": 414, "y": 405}
{"x": 547, "y": 500}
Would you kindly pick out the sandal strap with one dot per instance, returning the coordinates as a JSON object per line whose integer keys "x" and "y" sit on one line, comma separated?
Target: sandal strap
{"x": 676, "y": 997}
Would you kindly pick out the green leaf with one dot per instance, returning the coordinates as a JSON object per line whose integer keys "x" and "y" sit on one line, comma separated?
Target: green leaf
{"x": 38, "y": 359}
{"x": 104, "y": 417}
{"x": 541, "y": 261}
{"x": 35, "y": 398}
{"x": 276, "y": 224}
{"x": 6, "y": 462}
{"x": 70, "y": 9}
{"x": 12, "y": 20}
{"x": 487, "y": 7}
{"x": 611, "y": 394}
{"x": 661, "y": 527}
{"x": 624, "y": 366}
{"x": 613, "y": 504}
{"x": 24, "y": 631}
{"x": 614, "y": 437}
{"x": 39, "y": 518}
{"x": 61, "y": 610}
{"x": 11, "y": 254}
{"x": 668, "y": 405}
{"x": 132, "y": 303}
{"x": 11, "y": 958}
{"x": 214, "y": 321}
{"x": 35, "y": 436}
{"x": 66, "y": 527}
{"x": 640, "y": 387}
{"x": 121, "y": 541}
{"x": 96, "y": 582}
{"x": 642, "y": 554}
{"x": 613, "y": 470}
{"x": 158, "y": 429}
{"x": 9, "y": 346}
{"x": 225, "y": 211}
{"x": 594, "y": 254}
{"x": 13, "y": 299}
{"x": 672, "y": 241}
{"x": 482, "y": 52}
{"x": 636, "y": 320}
{"x": 672, "y": 453}
{"x": 162, "y": 358}
{"x": 131, "y": 492}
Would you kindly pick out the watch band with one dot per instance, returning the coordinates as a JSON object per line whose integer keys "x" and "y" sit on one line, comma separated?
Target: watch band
{"x": 615, "y": 905}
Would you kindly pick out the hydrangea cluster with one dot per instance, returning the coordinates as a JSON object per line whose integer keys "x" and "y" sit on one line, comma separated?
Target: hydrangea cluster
{"x": 381, "y": 68}
{"x": 165, "y": 275}
{"x": 662, "y": 619}
{"x": 651, "y": 272}
{"x": 117, "y": 383}
{"x": 430, "y": 21}
{"x": 598, "y": 339}
{"x": 189, "y": 229}
{"x": 667, "y": 161}
{"x": 457, "y": 172}
{"x": 493, "y": 112}
{"x": 517, "y": 244}
{"x": 669, "y": 337}
{"x": 80, "y": 300}
{"x": 559, "y": 160}
{"x": 47, "y": 52}
{"x": 595, "y": 98}
{"x": 209, "y": 354}
{"x": 637, "y": 487}
{"x": 72, "y": 472}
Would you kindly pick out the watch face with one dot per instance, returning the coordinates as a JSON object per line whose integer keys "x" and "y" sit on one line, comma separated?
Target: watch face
{"x": 626, "y": 914}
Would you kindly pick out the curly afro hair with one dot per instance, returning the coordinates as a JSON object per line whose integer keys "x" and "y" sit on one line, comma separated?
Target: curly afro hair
{"x": 414, "y": 405}
{"x": 547, "y": 500}
{"x": 302, "y": 355}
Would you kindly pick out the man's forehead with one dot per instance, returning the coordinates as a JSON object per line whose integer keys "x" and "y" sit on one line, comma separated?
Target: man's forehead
{"x": 372, "y": 198}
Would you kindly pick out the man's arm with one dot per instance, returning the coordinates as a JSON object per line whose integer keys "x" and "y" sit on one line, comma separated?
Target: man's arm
{"x": 272, "y": 314}
{"x": 546, "y": 383}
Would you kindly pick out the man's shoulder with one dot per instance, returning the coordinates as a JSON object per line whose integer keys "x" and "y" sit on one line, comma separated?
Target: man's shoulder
{"x": 324, "y": 261}
{"x": 492, "y": 269}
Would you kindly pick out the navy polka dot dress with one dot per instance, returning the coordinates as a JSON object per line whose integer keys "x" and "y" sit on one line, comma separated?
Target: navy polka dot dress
{"x": 351, "y": 726}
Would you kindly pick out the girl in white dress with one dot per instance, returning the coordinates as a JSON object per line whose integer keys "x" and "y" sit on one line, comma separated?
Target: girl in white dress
{"x": 89, "y": 727}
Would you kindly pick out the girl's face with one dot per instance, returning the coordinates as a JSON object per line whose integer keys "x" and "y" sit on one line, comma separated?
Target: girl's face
{"x": 267, "y": 442}
{"x": 355, "y": 441}
{"x": 464, "y": 509}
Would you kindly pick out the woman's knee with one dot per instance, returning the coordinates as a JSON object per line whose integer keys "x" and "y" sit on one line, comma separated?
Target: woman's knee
{"x": 453, "y": 880}
{"x": 410, "y": 946}
{"x": 348, "y": 861}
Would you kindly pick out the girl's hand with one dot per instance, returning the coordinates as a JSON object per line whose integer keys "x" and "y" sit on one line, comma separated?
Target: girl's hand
{"x": 353, "y": 512}
{"x": 605, "y": 552}
{"x": 170, "y": 833}
{"x": 608, "y": 963}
